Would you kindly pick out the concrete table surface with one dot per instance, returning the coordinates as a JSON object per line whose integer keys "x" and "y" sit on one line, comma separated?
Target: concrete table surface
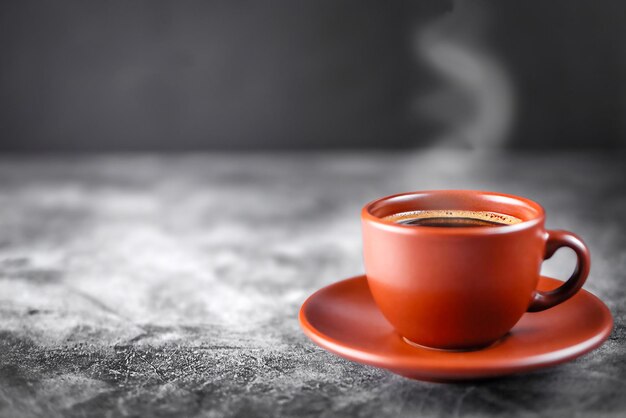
{"x": 149, "y": 285}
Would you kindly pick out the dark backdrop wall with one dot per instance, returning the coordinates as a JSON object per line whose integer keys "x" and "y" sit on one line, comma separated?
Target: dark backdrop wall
{"x": 240, "y": 75}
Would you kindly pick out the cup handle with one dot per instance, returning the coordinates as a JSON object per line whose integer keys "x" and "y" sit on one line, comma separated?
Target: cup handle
{"x": 557, "y": 239}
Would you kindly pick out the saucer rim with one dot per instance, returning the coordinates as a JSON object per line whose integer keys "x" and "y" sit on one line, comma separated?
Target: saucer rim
{"x": 457, "y": 370}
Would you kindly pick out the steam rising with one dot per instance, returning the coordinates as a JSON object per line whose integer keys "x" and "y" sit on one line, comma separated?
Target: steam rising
{"x": 476, "y": 104}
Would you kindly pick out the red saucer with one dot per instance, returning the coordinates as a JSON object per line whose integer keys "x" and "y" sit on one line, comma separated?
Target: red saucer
{"x": 343, "y": 319}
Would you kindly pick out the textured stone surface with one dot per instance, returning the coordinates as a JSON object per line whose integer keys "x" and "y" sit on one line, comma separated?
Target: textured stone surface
{"x": 169, "y": 286}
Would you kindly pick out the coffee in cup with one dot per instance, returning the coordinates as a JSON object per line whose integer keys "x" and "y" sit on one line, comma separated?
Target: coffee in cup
{"x": 456, "y": 269}
{"x": 452, "y": 218}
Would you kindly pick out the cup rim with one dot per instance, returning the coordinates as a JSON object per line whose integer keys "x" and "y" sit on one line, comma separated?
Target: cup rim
{"x": 367, "y": 215}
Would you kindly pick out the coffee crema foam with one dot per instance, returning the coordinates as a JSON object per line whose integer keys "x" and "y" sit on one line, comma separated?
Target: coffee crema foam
{"x": 450, "y": 217}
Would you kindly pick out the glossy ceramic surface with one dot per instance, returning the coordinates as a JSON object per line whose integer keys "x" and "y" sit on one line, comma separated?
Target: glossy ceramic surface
{"x": 457, "y": 288}
{"x": 344, "y": 319}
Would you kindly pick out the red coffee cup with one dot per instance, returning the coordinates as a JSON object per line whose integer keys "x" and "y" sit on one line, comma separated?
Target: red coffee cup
{"x": 462, "y": 288}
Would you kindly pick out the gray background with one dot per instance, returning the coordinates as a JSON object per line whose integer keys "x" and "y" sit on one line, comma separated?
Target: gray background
{"x": 238, "y": 75}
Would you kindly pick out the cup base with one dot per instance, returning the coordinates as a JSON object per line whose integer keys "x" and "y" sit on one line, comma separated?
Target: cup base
{"x": 454, "y": 350}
